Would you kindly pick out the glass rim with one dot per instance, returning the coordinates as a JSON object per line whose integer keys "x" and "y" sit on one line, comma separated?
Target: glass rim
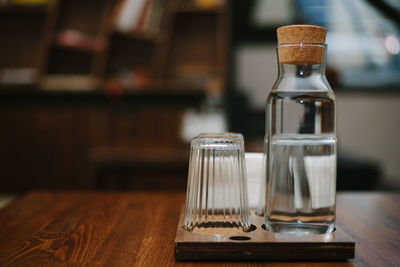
{"x": 224, "y": 135}
{"x": 217, "y": 139}
{"x": 302, "y": 45}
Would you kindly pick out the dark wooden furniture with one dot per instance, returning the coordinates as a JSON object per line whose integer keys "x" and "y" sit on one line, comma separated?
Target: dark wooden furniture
{"x": 54, "y": 132}
{"x": 62, "y": 134}
{"x": 138, "y": 229}
{"x": 80, "y": 39}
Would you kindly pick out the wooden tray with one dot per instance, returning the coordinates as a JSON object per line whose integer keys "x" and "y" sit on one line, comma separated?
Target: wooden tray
{"x": 260, "y": 244}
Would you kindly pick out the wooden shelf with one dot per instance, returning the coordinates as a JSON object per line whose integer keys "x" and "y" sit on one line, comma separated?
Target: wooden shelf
{"x": 75, "y": 48}
{"x": 137, "y": 36}
{"x": 86, "y": 43}
{"x": 163, "y": 92}
{"x": 168, "y": 85}
{"x": 189, "y": 8}
{"x": 155, "y": 98}
{"x": 17, "y": 87}
{"x": 24, "y": 9}
{"x": 22, "y": 90}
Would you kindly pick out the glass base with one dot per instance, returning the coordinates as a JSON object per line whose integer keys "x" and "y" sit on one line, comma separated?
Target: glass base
{"x": 300, "y": 228}
{"x": 246, "y": 227}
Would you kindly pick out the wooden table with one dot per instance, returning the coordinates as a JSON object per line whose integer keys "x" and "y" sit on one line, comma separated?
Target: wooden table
{"x": 126, "y": 229}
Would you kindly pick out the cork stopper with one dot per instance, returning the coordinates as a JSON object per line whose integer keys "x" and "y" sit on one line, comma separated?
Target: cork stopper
{"x": 301, "y": 44}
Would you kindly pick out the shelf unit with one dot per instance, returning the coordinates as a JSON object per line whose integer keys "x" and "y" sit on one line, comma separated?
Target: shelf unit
{"x": 66, "y": 127}
{"x": 190, "y": 48}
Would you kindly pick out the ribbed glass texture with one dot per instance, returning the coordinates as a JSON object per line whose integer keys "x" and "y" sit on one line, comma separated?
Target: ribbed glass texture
{"x": 217, "y": 186}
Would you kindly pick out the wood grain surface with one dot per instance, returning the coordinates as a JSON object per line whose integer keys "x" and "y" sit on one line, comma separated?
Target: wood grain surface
{"x": 259, "y": 244}
{"x": 138, "y": 229}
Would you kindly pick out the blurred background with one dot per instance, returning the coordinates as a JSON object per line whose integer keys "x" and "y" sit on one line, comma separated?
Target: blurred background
{"x": 106, "y": 94}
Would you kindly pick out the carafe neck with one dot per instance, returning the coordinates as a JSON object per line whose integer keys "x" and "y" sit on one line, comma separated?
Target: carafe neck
{"x": 301, "y": 71}
{"x": 301, "y": 67}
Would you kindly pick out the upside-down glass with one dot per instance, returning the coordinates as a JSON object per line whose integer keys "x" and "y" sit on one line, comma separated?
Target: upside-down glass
{"x": 217, "y": 187}
{"x": 300, "y": 146}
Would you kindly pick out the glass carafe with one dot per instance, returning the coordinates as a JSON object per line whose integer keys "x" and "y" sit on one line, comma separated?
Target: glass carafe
{"x": 301, "y": 143}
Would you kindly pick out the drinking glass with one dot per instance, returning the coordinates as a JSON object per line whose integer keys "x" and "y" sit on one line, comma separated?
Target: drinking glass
{"x": 217, "y": 185}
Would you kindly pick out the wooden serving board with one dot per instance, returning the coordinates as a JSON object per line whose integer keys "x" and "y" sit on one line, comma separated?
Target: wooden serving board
{"x": 260, "y": 244}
